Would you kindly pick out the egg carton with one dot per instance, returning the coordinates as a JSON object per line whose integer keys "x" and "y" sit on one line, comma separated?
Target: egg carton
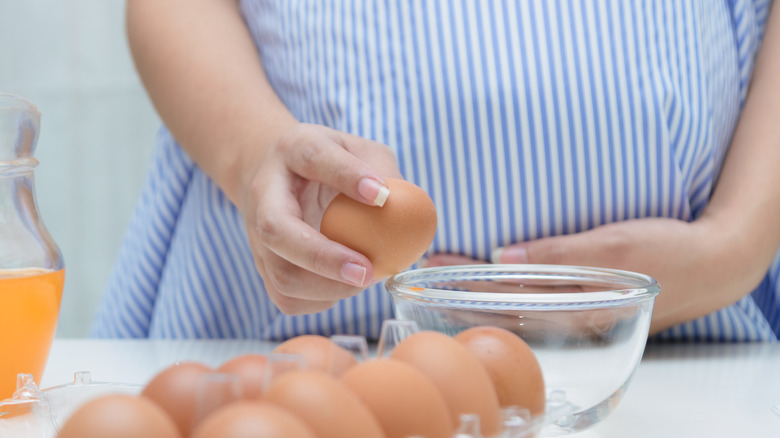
{"x": 36, "y": 413}
{"x": 40, "y": 413}
{"x": 33, "y": 412}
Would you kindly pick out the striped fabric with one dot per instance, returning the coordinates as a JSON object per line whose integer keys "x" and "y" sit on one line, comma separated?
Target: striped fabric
{"x": 521, "y": 119}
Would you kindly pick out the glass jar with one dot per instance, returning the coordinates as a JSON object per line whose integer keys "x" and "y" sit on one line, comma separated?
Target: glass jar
{"x": 32, "y": 272}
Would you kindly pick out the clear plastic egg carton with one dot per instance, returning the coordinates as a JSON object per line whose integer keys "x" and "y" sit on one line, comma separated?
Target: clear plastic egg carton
{"x": 37, "y": 413}
{"x": 40, "y": 413}
{"x": 518, "y": 423}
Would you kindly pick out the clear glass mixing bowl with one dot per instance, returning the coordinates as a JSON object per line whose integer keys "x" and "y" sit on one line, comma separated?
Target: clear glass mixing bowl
{"x": 587, "y": 326}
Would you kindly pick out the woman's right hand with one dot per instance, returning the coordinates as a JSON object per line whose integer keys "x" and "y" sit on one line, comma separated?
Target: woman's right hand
{"x": 283, "y": 201}
{"x": 281, "y": 174}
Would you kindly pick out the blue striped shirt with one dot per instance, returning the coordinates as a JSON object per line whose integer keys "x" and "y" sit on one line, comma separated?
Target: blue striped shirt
{"x": 521, "y": 119}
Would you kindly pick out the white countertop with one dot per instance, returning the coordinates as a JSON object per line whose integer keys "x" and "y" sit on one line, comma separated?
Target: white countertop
{"x": 700, "y": 390}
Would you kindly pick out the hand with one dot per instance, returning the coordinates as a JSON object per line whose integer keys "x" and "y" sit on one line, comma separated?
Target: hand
{"x": 283, "y": 201}
{"x": 699, "y": 268}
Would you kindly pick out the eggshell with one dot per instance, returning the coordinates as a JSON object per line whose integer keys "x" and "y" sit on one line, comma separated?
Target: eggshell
{"x": 511, "y": 364}
{"x": 250, "y": 369}
{"x": 457, "y": 374}
{"x": 393, "y": 236}
{"x": 402, "y": 399}
{"x": 119, "y": 416}
{"x": 174, "y": 389}
{"x": 324, "y": 404}
{"x": 252, "y": 419}
{"x": 319, "y": 352}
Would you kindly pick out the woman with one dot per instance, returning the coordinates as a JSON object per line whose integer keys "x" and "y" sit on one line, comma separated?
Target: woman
{"x": 617, "y": 134}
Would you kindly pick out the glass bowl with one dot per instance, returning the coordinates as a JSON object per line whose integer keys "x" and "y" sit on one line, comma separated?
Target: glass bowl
{"x": 587, "y": 326}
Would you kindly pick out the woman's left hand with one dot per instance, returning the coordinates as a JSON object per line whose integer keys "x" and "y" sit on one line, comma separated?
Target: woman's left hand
{"x": 699, "y": 267}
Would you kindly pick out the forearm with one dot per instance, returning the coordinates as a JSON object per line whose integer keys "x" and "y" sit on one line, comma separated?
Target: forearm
{"x": 746, "y": 202}
{"x": 203, "y": 74}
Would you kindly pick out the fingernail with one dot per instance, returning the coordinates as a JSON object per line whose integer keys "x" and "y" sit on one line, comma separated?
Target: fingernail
{"x": 510, "y": 254}
{"x": 495, "y": 256}
{"x": 371, "y": 189}
{"x": 353, "y": 273}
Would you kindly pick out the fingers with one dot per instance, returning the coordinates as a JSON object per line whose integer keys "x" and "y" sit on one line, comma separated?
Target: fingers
{"x": 576, "y": 249}
{"x": 281, "y": 233}
{"x": 296, "y": 291}
{"x": 287, "y": 304}
{"x": 303, "y": 271}
{"x": 590, "y": 248}
{"x": 295, "y": 282}
{"x": 449, "y": 260}
{"x": 295, "y": 306}
{"x": 326, "y": 159}
{"x": 303, "y": 247}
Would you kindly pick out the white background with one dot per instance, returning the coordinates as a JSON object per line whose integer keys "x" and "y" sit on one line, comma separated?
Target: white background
{"x": 70, "y": 58}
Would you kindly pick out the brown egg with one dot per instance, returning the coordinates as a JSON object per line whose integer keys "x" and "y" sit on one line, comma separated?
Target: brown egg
{"x": 324, "y": 404}
{"x": 393, "y": 236}
{"x": 119, "y": 416}
{"x": 319, "y": 352}
{"x": 252, "y": 419}
{"x": 175, "y": 390}
{"x": 402, "y": 399}
{"x": 250, "y": 368}
{"x": 457, "y": 374}
{"x": 512, "y": 366}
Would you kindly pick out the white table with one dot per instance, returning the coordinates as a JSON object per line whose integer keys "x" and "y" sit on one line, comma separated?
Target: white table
{"x": 681, "y": 391}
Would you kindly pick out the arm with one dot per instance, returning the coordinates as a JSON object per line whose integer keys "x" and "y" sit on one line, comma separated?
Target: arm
{"x": 202, "y": 71}
{"x": 740, "y": 227}
{"x": 745, "y": 206}
{"x": 714, "y": 261}
{"x": 204, "y": 77}
{"x": 746, "y": 201}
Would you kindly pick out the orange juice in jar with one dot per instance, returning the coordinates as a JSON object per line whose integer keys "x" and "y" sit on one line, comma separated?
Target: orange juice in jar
{"x": 32, "y": 272}
{"x": 29, "y": 306}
